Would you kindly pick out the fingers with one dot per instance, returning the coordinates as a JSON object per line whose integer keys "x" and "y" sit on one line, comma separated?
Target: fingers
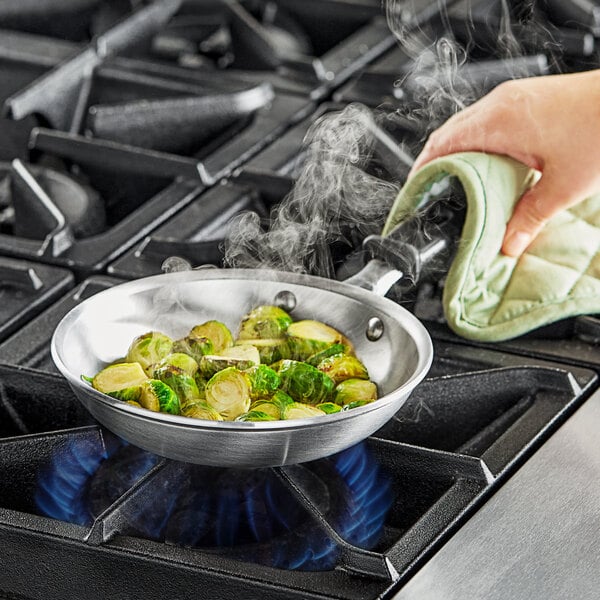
{"x": 533, "y": 211}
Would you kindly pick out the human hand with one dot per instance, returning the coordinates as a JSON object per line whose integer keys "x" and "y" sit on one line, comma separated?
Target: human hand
{"x": 549, "y": 123}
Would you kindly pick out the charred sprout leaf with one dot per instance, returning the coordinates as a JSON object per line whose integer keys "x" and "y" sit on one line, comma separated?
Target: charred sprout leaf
{"x": 216, "y": 332}
{"x": 264, "y": 322}
{"x": 196, "y": 347}
{"x": 118, "y": 377}
{"x": 264, "y": 381}
{"x": 297, "y": 410}
{"x": 304, "y": 383}
{"x": 180, "y": 382}
{"x": 247, "y": 352}
{"x": 355, "y": 390}
{"x": 228, "y": 392}
{"x": 329, "y": 407}
{"x": 201, "y": 410}
{"x": 148, "y": 349}
{"x": 332, "y": 350}
{"x": 255, "y": 415}
{"x": 269, "y": 350}
{"x": 180, "y": 360}
{"x": 356, "y": 404}
{"x": 309, "y": 337}
{"x": 210, "y": 365}
{"x": 341, "y": 367}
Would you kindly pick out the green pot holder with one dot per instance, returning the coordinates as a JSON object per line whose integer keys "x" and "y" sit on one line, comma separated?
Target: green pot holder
{"x": 492, "y": 297}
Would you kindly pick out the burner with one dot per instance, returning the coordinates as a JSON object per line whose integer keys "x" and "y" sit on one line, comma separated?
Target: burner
{"x": 253, "y": 515}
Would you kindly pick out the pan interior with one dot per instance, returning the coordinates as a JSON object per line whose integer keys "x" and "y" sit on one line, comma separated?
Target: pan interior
{"x": 100, "y": 330}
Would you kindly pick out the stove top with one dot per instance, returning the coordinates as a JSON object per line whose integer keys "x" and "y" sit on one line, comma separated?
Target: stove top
{"x": 137, "y": 131}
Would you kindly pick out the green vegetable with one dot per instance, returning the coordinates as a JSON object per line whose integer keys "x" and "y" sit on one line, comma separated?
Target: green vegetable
{"x": 216, "y": 332}
{"x": 245, "y": 352}
{"x": 264, "y": 322}
{"x": 356, "y": 404}
{"x": 151, "y": 394}
{"x": 228, "y": 392}
{"x": 306, "y": 338}
{"x": 118, "y": 377}
{"x": 196, "y": 347}
{"x": 148, "y": 349}
{"x": 180, "y": 360}
{"x": 209, "y": 365}
{"x": 200, "y": 410}
{"x": 255, "y": 415}
{"x": 269, "y": 350}
{"x": 180, "y": 382}
{"x": 329, "y": 407}
{"x": 355, "y": 390}
{"x": 297, "y": 410}
{"x": 341, "y": 367}
{"x": 264, "y": 381}
{"x": 332, "y": 350}
{"x": 273, "y": 406}
{"x": 304, "y": 383}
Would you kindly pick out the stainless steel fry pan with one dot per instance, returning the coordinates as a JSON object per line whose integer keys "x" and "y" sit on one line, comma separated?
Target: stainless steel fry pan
{"x": 391, "y": 342}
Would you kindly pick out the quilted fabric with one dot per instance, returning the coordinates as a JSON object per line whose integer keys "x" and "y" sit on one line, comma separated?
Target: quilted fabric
{"x": 492, "y": 297}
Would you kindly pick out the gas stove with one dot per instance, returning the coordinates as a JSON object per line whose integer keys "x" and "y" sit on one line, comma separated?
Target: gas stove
{"x": 134, "y": 132}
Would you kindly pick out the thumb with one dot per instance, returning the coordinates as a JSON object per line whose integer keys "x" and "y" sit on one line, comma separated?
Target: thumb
{"x": 534, "y": 209}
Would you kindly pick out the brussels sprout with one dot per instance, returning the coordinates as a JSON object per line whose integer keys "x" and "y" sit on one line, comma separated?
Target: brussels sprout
{"x": 180, "y": 360}
{"x": 332, "y": 350}
{"x": 355, "y": 390}
{"x": 242, "y": 352}
{"x": 297, "y": 410}
{"x": 196, "y": 347}
{"x": 200, "y": 383}
{"x": 255, "y": 415}
{"x": 134, "y": 403}
{"x": 269, "y": 350}
{"x": 180, "y": 382}
{"x": 329, "y": 407}
{"x": 210, "y": 365}
{"x": 148, "y": 349}
{"x": 273, "y": 406}
{"x": 118, "y": 377}
{"x": 264, "y": 381}
{"x": 216, "y": 332}
{"x": 305, "y": 383}
{"x": 200, "y": 410}
{"x": 264, "y": 322}
{"x": 228, "y": 392}
{"x": 341, "y": 367}
{"x": 306, "y": 338}
{"x": 356, "y": 404}
{"x": 151, "y": 394}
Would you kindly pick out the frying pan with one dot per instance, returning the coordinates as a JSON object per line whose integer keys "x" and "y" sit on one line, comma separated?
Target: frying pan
{"x": 392, "y": 343}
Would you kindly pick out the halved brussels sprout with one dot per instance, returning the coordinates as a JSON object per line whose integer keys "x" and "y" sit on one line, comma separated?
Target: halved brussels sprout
{"x": 196, "y": 347}
{"x": 269, "y": 350}
{"x": 273, "y": 406}
{"x": 151, "y": 394}
{"x": 332, "y": 350}
{"x": 216, "y": 332}
{"x": 200, "y": 410}
{"x": 180, "y": 382}
{"x": 329, "y": 407}
{"x": 118, "y": 377}
{"x": 210, "y": 365}
{"x": 228, "y": 392}
{"x": 305, "y": 383}
{"x": 180, "y": 360}
{"x": 308, "y": 337}
{"x": 242, "y": 352}
{"x": 264, "y": 322}
{"x": 255, "y": 415}
{"x": 264, "y": 381}
{"x": 297, "y": 410}
{"x": 341, "y": 367}
{"x": 149, "y": 348}
{"x": 355, "y": 390}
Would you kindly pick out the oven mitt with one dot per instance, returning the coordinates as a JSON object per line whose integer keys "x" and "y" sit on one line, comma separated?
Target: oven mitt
{"x": 489, "y": 296}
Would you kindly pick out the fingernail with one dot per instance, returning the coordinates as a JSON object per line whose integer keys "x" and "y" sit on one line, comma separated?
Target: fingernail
{"x": 516, "y": 243}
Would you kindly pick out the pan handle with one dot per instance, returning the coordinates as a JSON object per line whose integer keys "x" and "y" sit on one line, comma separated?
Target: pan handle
{"x": 376, "y": 276}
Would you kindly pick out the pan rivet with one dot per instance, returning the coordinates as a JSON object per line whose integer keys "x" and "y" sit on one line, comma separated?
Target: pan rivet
{"x": 285, "y": 300}
{"x": 374, "y": 329}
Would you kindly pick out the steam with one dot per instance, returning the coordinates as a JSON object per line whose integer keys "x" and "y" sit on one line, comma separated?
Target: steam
{"x": 335, "y": 201}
